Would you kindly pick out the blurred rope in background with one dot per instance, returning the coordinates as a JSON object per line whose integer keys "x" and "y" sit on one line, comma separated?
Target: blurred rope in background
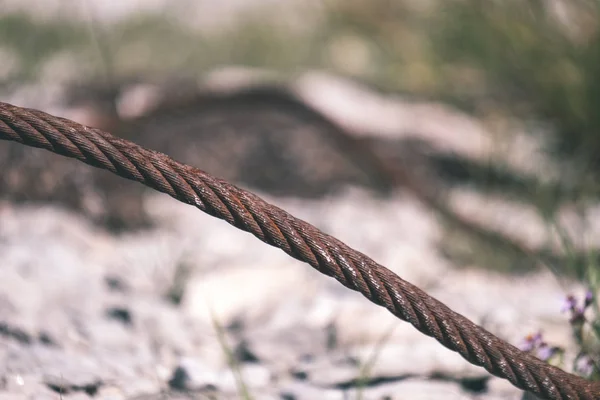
{"x": 536, "y": 60}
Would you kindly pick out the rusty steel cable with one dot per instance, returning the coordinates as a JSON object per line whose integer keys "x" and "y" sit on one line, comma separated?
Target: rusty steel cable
{"x": 298, "y": 239}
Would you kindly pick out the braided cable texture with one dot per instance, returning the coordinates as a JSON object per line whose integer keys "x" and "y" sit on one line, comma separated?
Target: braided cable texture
{"x": 298, "y": 239}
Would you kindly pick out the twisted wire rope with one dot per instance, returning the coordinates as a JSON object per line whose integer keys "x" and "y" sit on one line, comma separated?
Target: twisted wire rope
{"x": 298, "y": 239}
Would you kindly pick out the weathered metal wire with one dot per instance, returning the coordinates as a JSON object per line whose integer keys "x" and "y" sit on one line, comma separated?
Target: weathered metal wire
{"x": 297, "y": 238}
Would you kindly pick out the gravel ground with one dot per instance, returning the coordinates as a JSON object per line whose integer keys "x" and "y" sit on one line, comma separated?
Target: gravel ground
{"x": 91, "y": 315}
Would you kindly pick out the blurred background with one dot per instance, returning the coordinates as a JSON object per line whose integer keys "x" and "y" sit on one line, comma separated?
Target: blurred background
{"x": 456, "y": 142}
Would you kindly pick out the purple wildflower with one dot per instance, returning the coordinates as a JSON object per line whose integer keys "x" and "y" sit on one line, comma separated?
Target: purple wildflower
{"x": 534, "y": 343}
{"x": 569, "y": 303}
{"x": 577, "y": 312}
{"x": 584, "y": 365}
{"x": 531, "y": 341}
{"x": 545, "y": 352}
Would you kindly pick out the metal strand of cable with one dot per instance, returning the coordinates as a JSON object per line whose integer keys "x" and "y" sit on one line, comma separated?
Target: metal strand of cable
{"x": 298, "y": 239}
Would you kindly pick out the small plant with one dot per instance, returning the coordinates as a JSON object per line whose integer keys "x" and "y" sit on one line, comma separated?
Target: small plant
{"x": 535, "y": 343}
{"x": 366, "y": 368}
{"x": 231, "y": 360}
{"x": 584, "y": 320}
{"x": 586, "y": 332}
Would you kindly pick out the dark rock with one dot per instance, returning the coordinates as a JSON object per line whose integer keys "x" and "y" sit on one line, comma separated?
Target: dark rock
{"x": 179, "y": 380}
{"x": 242, "y": 353}
{"x": 14, "y": 333}
{"x": 116, "y": 284}
{"x": 46, "y": 339}
{"x": 120, "y": 314}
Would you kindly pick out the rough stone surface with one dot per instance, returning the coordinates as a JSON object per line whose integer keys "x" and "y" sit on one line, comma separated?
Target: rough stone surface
{"x": 90, "y": 313}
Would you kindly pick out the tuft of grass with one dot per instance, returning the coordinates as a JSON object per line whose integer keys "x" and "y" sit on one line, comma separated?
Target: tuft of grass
{"x": 536, "y": 62}
{"x": 230, "y": 356}
{"x": 367, "y": 367}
